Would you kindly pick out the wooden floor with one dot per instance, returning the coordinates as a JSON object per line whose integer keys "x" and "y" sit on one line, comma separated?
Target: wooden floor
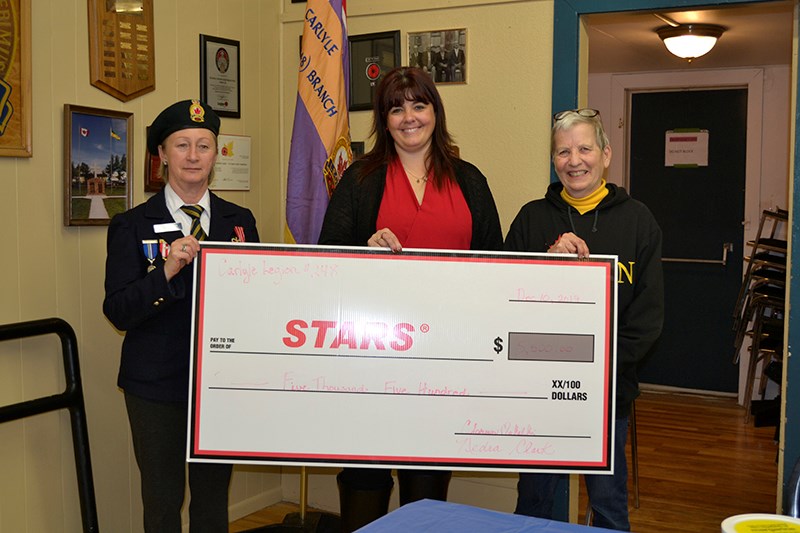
{"x": 699, "y": 462}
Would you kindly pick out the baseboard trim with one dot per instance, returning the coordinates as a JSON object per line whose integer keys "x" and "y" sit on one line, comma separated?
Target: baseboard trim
{"x": 254, "y": 503}
{"x": 650, "y": 387}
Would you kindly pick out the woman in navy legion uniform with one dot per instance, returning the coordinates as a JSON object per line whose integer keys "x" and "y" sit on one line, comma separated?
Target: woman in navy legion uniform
{"x": 148, "y": 284}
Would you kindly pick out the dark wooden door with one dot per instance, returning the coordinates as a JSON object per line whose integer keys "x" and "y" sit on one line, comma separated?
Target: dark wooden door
{"x": 700, "y": 210}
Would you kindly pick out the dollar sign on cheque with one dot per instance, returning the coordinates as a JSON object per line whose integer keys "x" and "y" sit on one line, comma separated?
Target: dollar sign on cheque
{"x": 498, "y": 345}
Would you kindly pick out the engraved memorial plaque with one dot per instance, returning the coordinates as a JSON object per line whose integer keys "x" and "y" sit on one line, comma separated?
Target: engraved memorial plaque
{"x": 121, "y": 55}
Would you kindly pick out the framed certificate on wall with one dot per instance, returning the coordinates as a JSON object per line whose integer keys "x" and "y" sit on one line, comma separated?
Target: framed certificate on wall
{"x": 219, "y": 75}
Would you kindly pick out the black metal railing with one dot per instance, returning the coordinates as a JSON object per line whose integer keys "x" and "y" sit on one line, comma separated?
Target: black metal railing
{"x": 71, "y": 398}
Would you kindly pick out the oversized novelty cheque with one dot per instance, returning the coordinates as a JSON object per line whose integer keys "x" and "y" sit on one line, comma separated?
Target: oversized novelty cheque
{"x": 314, "y": 355}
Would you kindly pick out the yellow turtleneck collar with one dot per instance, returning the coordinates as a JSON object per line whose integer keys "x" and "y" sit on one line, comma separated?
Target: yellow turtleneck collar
{"x": 584, "y": 205}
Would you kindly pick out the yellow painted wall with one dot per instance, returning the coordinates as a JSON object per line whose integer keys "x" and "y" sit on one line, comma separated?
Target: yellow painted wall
{"x": 500, "y": 120}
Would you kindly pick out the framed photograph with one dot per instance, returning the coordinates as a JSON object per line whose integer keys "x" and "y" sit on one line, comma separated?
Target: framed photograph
{"x": 220, "y": 81}
{"x": 152, "y": 163}
{"x": 98, "y": 145}
{"x": 15, "y": 79}
{"x": 442, "y": 54}
{"x": 372, "y": 55}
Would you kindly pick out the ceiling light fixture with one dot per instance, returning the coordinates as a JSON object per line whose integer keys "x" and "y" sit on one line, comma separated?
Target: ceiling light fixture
{"x": 689, "y": 41}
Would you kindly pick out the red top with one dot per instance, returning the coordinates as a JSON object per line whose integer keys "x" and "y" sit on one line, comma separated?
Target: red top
{"x": 443, "y": 220}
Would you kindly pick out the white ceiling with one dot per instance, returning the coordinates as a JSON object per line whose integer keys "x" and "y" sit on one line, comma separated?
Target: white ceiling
{"x": 757, "y": 34}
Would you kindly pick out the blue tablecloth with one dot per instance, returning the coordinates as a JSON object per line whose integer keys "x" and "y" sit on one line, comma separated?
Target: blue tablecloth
{"x": 430, "y": 516}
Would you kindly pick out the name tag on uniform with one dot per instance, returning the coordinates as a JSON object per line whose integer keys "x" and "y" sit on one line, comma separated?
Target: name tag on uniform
{"x": 168, "y": 227}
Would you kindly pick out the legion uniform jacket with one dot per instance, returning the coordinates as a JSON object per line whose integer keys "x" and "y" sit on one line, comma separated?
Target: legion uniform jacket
{"x": 154, "y": 313}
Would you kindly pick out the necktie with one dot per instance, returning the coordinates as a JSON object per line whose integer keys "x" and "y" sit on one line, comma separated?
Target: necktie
{"x": 194, "y": 212}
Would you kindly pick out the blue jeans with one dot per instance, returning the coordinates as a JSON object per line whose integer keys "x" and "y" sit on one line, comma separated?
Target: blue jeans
{"x": 607, "y": 494}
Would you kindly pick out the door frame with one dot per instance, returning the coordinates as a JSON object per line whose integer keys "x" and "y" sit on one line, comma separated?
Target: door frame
{"x": 570, "y": 66}
{"x": 624, "y": 85}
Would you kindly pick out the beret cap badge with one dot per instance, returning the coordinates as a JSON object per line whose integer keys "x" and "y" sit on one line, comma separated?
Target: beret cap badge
{"x": 196, "y": 111}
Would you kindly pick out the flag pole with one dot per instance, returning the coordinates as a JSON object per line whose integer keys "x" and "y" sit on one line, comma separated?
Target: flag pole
{"x": 303, "y": 521}
{"x": 303, "y": 493}
{"x": 320, "y": 152}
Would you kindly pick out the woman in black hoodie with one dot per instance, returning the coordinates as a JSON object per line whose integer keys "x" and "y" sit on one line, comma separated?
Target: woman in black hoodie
{"x": 583, "y": 214}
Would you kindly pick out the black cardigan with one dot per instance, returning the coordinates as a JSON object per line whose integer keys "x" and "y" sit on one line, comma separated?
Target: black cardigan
{"x": 352, "y": 214}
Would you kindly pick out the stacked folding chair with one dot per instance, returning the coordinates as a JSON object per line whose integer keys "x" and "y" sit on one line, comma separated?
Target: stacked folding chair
{"x": 760, "y": 307}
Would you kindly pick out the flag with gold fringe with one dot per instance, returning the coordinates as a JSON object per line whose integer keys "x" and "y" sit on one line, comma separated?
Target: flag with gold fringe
{"x": 320, "y": 150}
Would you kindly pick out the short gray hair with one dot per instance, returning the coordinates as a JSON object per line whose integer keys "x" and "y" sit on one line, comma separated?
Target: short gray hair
{"x": 569, "y": 120}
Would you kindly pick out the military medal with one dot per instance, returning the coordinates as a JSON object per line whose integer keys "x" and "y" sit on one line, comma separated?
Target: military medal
{"x": 239, "y": 231}
{"x": 150, "y": 248}
{"x": 163, "y": 246}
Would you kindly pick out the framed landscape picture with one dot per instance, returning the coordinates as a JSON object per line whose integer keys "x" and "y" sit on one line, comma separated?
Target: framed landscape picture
{"x": 98, "y": 146}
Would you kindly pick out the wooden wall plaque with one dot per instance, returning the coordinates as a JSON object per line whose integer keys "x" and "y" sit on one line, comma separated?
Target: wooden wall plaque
{"x": 15, "y": 79}
{"x": 121, "y": 42}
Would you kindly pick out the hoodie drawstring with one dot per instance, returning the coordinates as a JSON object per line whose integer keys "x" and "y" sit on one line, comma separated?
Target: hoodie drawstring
{"x": 572, "y": 224}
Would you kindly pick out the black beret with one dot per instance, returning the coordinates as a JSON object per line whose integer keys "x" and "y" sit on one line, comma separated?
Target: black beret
{"x": 180, "y": 116}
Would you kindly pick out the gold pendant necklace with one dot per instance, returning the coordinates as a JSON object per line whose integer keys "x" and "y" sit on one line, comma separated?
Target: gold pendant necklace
{"x": 420, "y": 179}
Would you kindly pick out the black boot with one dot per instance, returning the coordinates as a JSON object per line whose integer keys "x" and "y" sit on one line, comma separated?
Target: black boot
{"x": 420, "y": 484}
{"x": 362, "y": 501}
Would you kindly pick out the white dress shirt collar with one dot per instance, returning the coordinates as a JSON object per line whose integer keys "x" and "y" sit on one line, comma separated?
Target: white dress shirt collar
{"x": 174, "y": 204}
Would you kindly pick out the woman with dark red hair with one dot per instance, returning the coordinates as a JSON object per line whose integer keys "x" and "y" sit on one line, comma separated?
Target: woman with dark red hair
{"x": 410, "y": 190}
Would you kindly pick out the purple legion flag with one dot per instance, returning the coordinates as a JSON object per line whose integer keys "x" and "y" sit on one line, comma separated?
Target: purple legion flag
{"x": 320, "y": 150}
